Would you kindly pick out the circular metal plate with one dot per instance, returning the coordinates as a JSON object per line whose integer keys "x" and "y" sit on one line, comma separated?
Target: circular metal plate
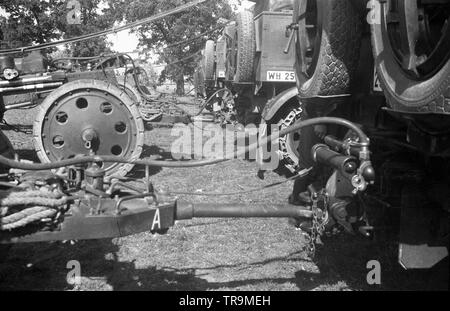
{"x": 83, "y": 108}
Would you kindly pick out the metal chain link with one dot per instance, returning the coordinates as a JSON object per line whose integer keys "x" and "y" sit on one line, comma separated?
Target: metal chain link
{"x": 286, "y": 122}
{"x": 318, "y": 225}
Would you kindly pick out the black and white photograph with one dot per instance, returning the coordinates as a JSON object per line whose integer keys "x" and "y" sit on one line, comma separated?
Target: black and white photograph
{"x": 225, "y": 151}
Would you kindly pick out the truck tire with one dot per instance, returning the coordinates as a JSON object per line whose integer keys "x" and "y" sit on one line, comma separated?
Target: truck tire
{"x": 425, "y": 88}
{"x": 208, "y": 59}
{"x": 244, "y": 46}
{"x": 330, "y": 48}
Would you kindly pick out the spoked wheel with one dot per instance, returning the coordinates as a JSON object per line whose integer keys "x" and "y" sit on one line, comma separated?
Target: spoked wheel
{"x": 89, "y": 116}
{"x": 411, "y": 44}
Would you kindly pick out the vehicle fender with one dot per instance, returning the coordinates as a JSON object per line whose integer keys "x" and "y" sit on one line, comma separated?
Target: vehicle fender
{"x": 275, "y": 103}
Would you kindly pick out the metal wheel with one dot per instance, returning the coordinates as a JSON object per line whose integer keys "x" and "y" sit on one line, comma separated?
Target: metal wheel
{"x": 85, "y": 117}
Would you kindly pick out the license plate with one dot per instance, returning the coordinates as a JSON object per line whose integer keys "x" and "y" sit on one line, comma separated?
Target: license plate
{"x": 281, "y": 76}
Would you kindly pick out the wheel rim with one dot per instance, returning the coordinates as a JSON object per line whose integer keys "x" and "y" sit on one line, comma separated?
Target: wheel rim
{"x": 66, "y": 124}
{"x": 419, "y": 35}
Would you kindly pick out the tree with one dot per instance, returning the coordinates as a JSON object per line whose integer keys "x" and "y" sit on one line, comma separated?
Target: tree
{"x": 162, "y": 37}
{"x": 31, "y": 21}
{"x": 35, "y": 21}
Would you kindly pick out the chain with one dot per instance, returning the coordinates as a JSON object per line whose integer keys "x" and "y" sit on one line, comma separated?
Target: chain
{"x": 318, "y": 224}
{"x": 286, "y": 122}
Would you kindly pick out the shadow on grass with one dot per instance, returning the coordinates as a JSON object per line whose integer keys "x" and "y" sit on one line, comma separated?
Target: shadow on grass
{"x": 345, "y": 258}
{"x": 42, "y": 266}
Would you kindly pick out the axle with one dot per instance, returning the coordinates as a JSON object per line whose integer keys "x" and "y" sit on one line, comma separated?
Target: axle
{"x": 99, "y": 218}
{"x": 186, "y": 210}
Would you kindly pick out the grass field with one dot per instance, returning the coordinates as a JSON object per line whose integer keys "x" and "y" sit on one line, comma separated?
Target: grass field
{"x": 208, "y": 254}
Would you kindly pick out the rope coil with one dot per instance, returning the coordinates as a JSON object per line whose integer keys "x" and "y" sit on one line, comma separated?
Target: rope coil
{"x": 44, "y": 204}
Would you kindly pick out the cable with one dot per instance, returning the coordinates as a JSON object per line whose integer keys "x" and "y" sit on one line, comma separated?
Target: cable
{"x": 300, "y": 174}
{"x": 196, "y": 37}
{"x": 105, "y": 32}
{"x": 363, "y": 141}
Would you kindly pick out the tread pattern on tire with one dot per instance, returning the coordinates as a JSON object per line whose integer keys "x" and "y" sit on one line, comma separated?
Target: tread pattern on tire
{"x": 439, "y": 103}
{"x": 339, "y": 51}
{"x": 246, "y": 47}
{"x": 209, "y": 60}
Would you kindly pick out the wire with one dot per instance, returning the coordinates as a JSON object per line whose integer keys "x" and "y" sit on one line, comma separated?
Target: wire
{"x": 105, "y": 32}
{"x": 300, "y": 174}
{"x": 196, "y": 37}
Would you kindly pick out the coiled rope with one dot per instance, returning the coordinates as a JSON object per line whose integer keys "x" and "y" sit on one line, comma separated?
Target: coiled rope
{"x": 20, "y": 208}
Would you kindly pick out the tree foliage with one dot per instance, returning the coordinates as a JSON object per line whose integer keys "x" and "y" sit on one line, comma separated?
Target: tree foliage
{"x": 162, "y": 37}
{"x": 40, "y": 21}
{"x": 35, "y": 21}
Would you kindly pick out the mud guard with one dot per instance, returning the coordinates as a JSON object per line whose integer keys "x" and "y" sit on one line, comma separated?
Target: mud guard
{"x": 275, "y": 104}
